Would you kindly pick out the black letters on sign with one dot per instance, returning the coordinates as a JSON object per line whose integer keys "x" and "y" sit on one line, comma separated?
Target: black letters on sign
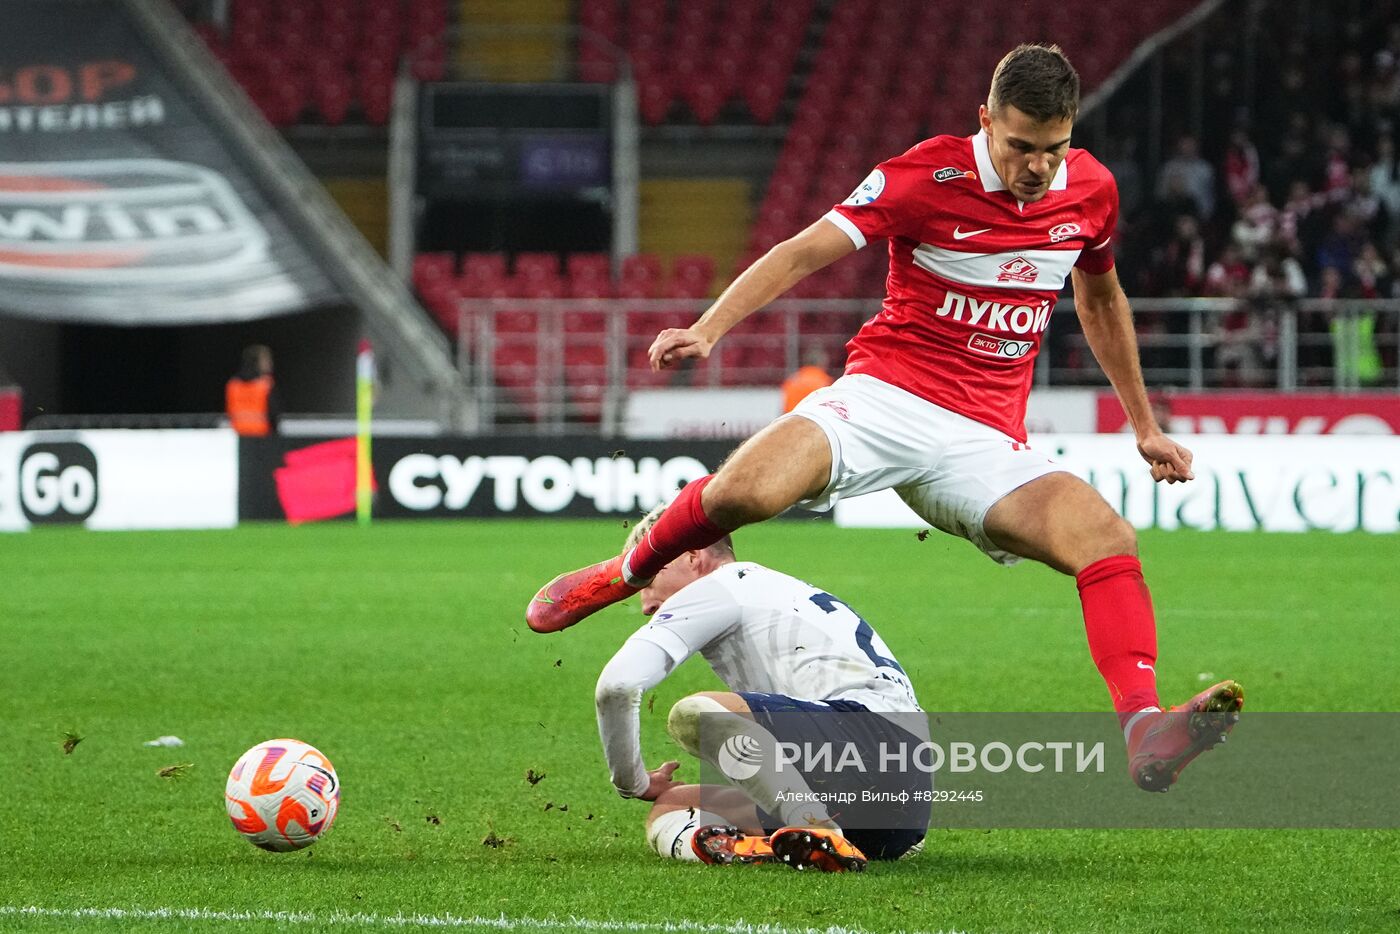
{"x": 58, "y": 482}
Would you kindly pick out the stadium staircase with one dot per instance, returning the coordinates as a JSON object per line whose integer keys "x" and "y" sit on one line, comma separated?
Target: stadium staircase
{"x": 513, "y": 40}
{"x": 684, "y": 215}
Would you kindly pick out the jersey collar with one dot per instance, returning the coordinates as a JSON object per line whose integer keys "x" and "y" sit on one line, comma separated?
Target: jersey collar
{"x": 987, "y": 172}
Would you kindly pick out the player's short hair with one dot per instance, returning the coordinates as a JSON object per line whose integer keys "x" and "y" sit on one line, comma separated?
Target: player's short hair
{"x": 724, "y": 546}
{"x": 1037, "y": 80}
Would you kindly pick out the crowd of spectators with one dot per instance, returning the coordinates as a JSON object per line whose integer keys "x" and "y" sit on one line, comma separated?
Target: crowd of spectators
{"x": 1297, "y": 196}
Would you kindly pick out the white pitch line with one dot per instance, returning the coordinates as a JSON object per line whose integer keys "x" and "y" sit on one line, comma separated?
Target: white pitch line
{"x": 499, "y": 923}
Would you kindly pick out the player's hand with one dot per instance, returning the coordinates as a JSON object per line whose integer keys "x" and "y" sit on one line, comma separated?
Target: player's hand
{"x": 1170, "y": 461}
{"x": 676, "y": 344}
{"x": 661, "y": 781}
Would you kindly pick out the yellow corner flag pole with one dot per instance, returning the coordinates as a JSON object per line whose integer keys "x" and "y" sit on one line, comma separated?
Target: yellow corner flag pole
{"x": 364, "y": 405}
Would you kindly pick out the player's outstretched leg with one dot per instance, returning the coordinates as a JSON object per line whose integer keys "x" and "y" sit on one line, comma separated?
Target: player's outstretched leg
{"x": 1161, "y": 744}
{"x": 814, "y": 848}
{"x": 572, "y": 597}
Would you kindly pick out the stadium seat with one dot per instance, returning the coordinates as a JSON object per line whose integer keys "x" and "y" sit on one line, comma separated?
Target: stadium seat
{"x": 641, "y": 276}
{"x": 586, "y": 378}
{"x": 589, "y": 275}
{"x": 692, "y": 276}
{"x": 484, "y": 275}
{"x": 433, "y": 267}
{"x": 516, "y": 368}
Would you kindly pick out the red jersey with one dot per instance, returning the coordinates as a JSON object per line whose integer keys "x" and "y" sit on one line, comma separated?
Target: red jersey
{"x": 974, "y": 272}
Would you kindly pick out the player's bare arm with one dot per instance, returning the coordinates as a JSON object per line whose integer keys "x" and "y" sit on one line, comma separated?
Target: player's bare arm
{"x": 778, "y": 270}
{"x": 1107, "y": 320}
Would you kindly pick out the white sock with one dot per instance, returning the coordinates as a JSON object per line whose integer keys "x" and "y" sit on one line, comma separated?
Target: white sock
{"x": 670, "y": 834}
{"x": 628, "y": 578}
{"x": 1132, "y": 721}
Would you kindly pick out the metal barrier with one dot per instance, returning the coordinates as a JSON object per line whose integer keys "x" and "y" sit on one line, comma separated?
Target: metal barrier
{"x": 547, "y": 366}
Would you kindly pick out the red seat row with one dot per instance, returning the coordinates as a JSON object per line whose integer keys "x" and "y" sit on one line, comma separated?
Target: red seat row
{"x": 443, "y": 283}
{"x": 887, "y": 75}
{"x": 329, "y": 61}
{"x": 697, "y": 57}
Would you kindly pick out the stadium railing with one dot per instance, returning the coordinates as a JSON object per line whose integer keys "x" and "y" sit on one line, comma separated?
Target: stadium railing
{"x": 550, "y": 366}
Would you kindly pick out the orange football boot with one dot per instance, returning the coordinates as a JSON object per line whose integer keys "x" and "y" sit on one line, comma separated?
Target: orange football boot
{"x": 1160, "y": 745}
{"x": 723, "y": 845}
{"x": 813, "y": 848}
{"x": 571, "y": 597}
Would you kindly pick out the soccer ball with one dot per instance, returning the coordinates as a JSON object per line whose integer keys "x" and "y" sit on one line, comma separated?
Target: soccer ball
{"x": 282, "y": 795}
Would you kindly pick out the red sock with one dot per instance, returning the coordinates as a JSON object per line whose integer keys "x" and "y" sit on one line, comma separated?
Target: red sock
{"x": 682, "y": 527}
{"x": 1122, "y": 631}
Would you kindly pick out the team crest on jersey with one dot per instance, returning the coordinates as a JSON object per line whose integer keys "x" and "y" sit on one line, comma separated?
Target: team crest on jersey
{"x": 950, "y": 173}
{"x": 1018, "y": 269}
{"x": 1063, "y": 232}
{"x": 868, "y": 190}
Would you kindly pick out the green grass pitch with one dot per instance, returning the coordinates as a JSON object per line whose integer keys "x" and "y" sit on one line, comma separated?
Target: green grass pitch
{"x": 401, "y": 652}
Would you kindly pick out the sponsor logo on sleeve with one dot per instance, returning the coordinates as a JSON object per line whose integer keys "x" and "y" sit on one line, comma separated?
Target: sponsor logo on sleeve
{"x": 999, "y": 346}
{"x": 950, "y": 173}
{"x": 868, "y": 190}
{"x": 1063, "y": 232}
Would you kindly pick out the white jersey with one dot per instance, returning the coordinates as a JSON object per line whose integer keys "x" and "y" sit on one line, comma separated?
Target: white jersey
{"x": 762, "y": 632}
{"x": 767, "y": 632}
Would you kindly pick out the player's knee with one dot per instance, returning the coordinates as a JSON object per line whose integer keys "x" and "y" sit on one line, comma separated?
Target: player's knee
{"x": 686, "y": 717}
{"x": 1120, "y": 536}
{"x": 1111, "y": 536}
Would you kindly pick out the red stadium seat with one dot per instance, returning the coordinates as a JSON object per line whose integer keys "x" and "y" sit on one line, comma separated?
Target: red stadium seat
{"x": 589, "y": 275}
{"x": 433, "y": 267}
{"x": 692, "y": 276}
{"x": 641, "y": 276}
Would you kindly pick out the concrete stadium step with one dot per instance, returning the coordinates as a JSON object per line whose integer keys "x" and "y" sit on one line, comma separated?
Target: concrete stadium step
{"x": 683, "y": 215}
{"x": 515, "y": 40}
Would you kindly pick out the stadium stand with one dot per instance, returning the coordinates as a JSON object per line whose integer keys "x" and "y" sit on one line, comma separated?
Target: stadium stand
{"x": 1321, "y": 220}
{"x": 329, "y": 62}
{"x": 689, "y": 69}
{"x": 1317, "y": 216}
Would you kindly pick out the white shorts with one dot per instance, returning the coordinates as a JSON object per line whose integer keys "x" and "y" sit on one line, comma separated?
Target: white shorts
{"x": 948, "y": 468}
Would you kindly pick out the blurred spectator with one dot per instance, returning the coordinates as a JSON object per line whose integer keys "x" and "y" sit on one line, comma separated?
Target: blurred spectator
{"x": 1241, "y": 167}
{"x": 1385, "y": 183}
{"x": 1366, "y": 207}
{"x": 1373, "y": 274}
{"x": 1188, "y": 175}
{"x": 1338, "y": 249}
{"x": 1257, "y": 225}
{"x": 250, "y": 397}
{"x": 1228, "y": 276}
{"x": 1278, "y": 277}
{"x": 807, "y": 379}
{"x": 1294, "y": 160}
{"x": 1383, "y": 95}
{"x": 1336, "y": 163}
{"x": 1301, "y": 215}
{"x": 1178, "y": 267}
{"x": 1120, "y": 158}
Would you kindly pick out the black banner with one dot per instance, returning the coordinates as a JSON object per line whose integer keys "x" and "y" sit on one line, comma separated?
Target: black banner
{"x": 306, "y": 479}
{"x": 120, "y": 203}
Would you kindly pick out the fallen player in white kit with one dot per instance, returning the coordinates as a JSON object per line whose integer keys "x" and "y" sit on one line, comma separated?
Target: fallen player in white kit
{"x": 794, "y": 658}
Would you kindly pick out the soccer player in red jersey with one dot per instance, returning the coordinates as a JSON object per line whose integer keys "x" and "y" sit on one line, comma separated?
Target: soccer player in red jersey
{"x": 983, "y": 231}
